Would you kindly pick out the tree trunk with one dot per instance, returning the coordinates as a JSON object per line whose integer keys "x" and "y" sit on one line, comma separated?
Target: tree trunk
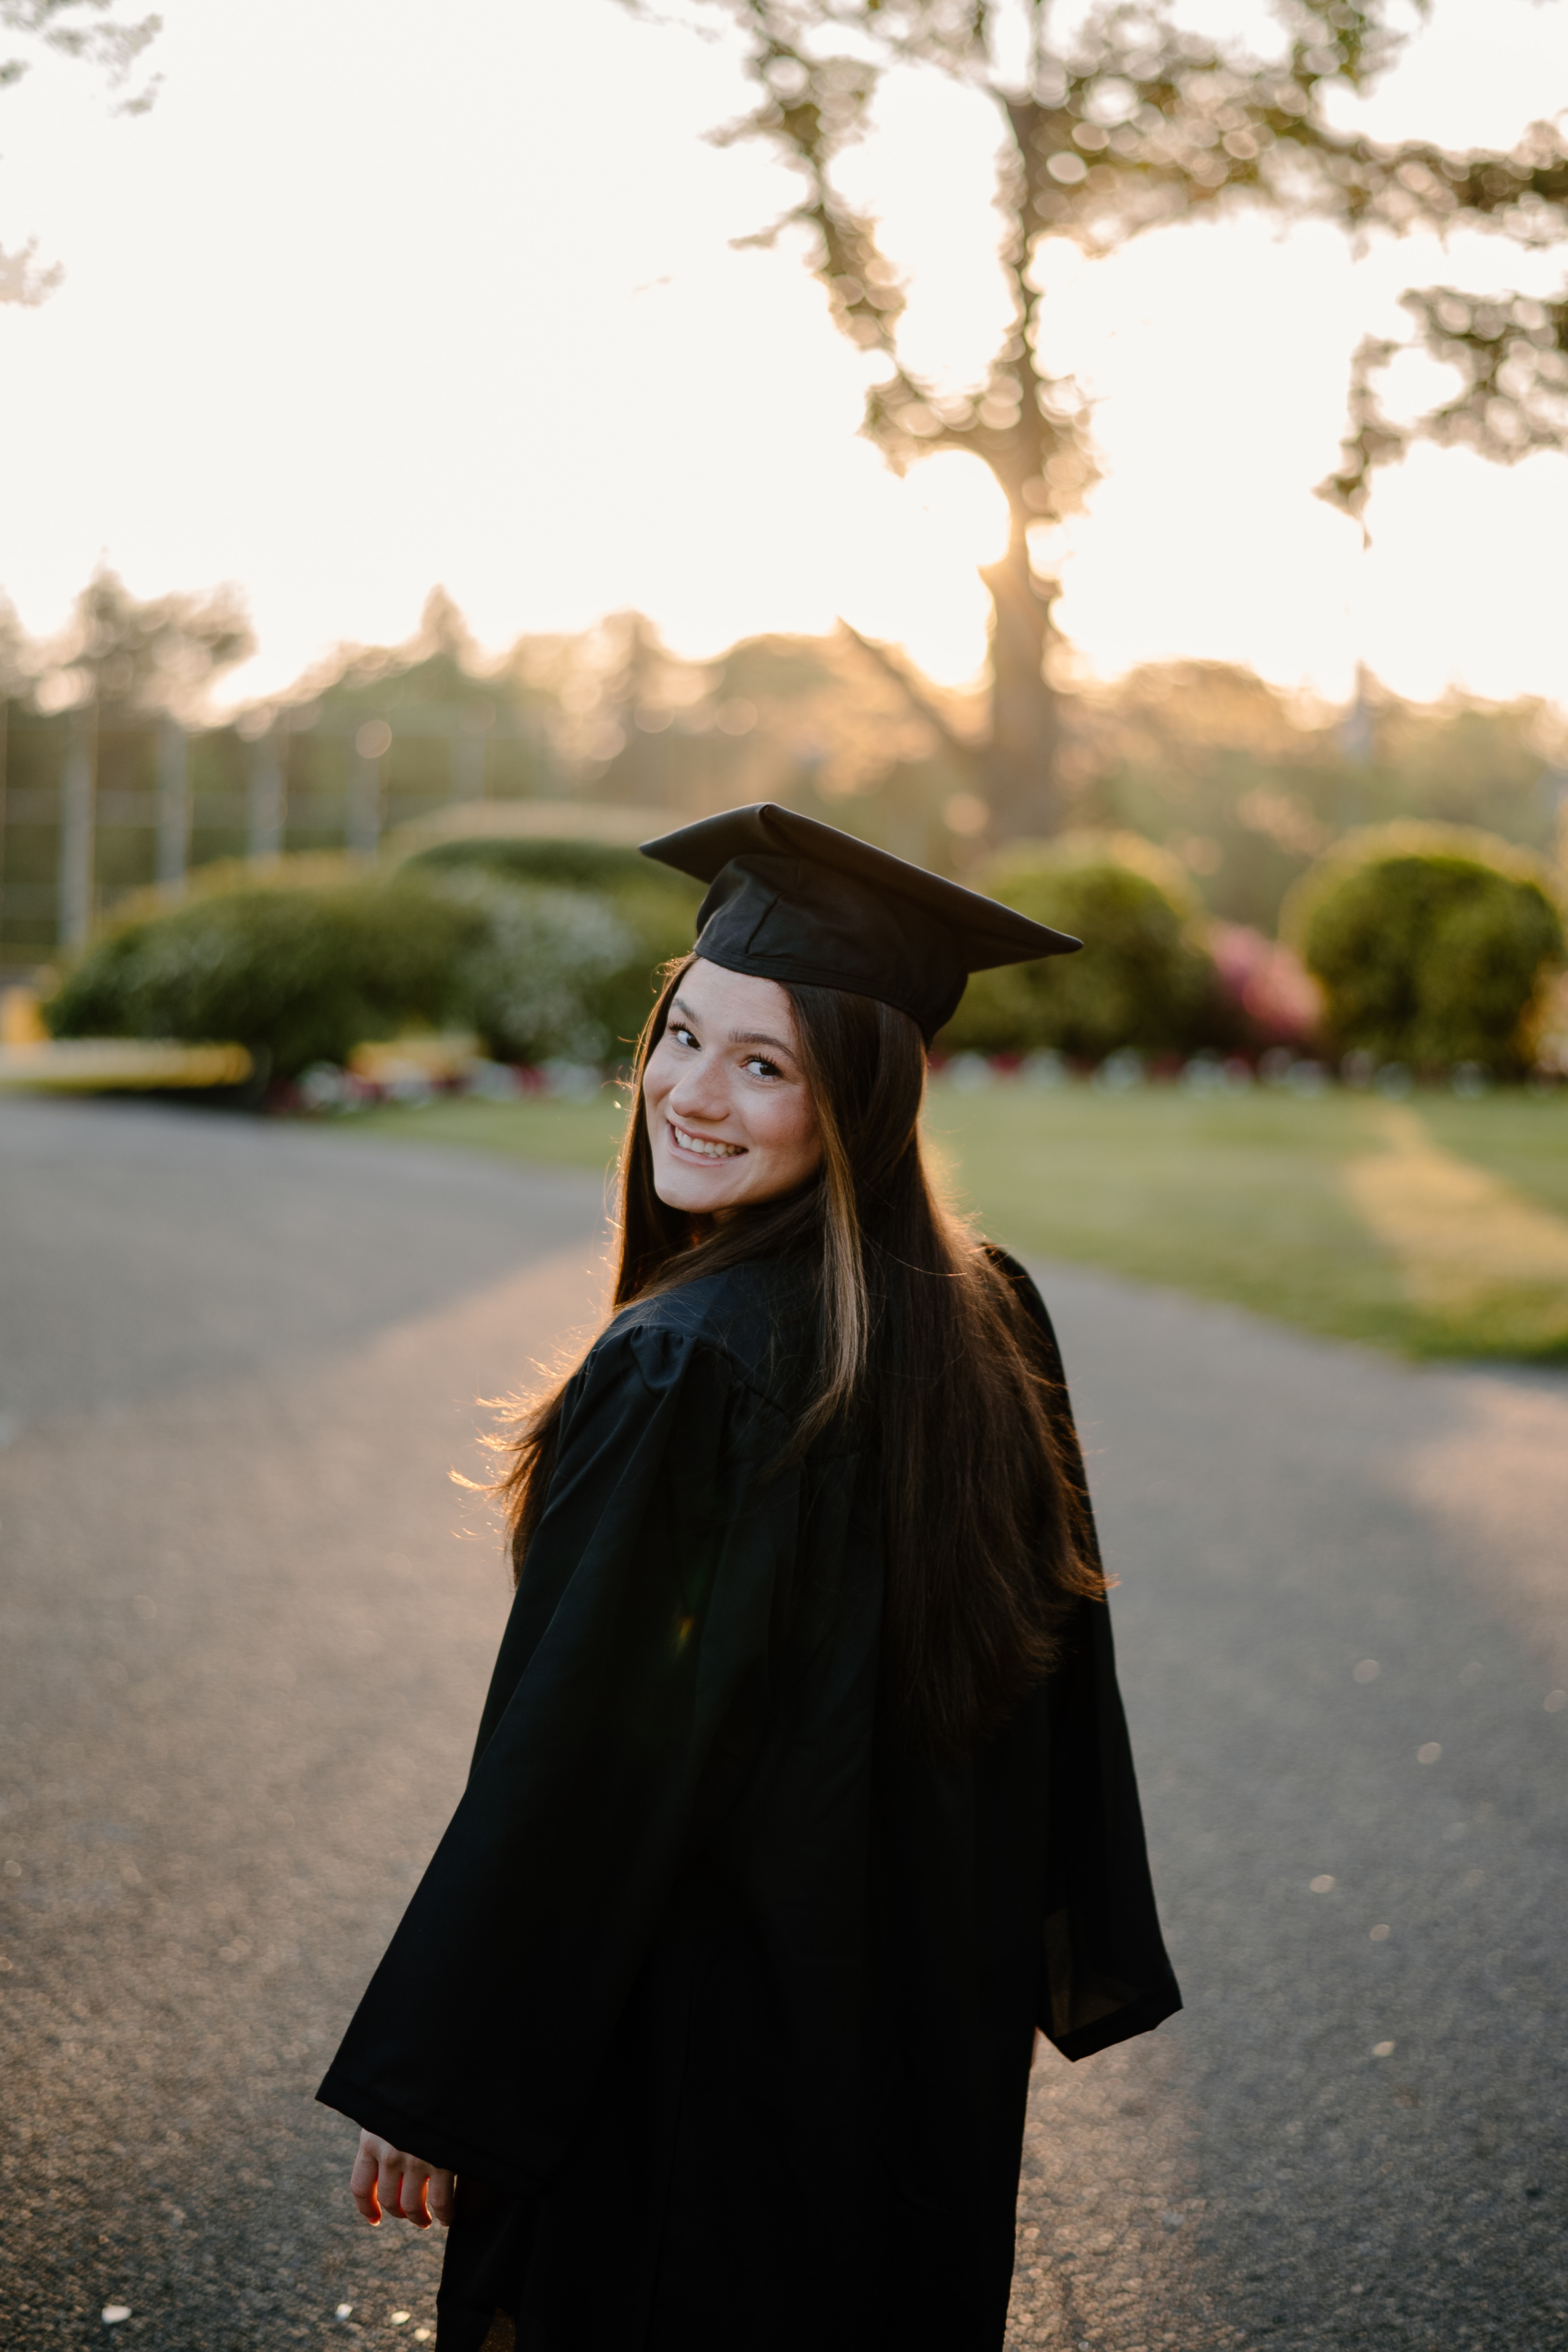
{"x": 1022, "y": 759}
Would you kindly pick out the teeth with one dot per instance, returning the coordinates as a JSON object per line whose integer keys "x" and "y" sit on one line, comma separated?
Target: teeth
{"x": 705, "y": 1148}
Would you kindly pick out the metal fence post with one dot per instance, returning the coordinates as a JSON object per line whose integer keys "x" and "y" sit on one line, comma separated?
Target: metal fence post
{"x": 468, "y": 769}
{"x": 266, "y": 806}
{"x": 364, "y": 788}
{"x": 5, "y": 773}
{"x": 173, "y": 803}
{"x": 78, "y": 776}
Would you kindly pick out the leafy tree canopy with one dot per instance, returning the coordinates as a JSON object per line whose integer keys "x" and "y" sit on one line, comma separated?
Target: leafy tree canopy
{"x": 71, "y": 28}
{"x": 1125, "y": 124}
{"x": 157, "y": 655}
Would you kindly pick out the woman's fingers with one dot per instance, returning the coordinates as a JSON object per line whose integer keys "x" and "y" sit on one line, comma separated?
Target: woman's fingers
{"x": 362, "y": 2179}
{"x": 402, "y": 2180}
{"x": 386, "y": 2180}
{"x": 390, "y": 2181}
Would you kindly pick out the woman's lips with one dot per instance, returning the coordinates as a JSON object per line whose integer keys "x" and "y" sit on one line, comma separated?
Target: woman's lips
{"x": 703, "y": 1147}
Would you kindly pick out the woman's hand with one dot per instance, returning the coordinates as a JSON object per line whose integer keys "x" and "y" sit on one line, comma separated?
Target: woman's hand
{"x": 404, "y": 2186}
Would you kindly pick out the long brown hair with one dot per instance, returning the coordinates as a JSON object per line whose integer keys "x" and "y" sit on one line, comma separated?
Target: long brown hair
{"x": 920, "y": 1333}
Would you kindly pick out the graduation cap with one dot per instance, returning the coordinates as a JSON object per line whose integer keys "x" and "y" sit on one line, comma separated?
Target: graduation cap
{"x": 793, "y": 900}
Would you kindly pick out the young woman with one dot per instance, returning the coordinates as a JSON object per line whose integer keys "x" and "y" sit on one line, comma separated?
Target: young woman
{"x": 802, "y": 1796}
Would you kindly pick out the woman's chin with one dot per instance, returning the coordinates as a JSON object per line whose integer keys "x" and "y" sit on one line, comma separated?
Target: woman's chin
{"x": 694, "y": 1190}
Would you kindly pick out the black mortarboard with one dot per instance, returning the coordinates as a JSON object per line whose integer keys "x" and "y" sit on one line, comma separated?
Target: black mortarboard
{"x": 793, "y": 900}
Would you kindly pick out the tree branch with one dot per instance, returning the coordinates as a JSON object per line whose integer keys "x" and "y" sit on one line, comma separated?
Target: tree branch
{"x": 972, "y": 757}
{"x": 1511, "y": 355}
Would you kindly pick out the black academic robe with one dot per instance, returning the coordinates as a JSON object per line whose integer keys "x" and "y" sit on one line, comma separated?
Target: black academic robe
{"x": 720, "y": 1992}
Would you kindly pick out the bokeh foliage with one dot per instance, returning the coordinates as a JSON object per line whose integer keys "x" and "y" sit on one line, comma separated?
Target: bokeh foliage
{"x": 297, "y": 974}
{"x": 652, "y": 907}
{"x": 1243, "y": 782}
{"x": 1142, "y": 980}
{"x": 306, "y": 965}
{"x": 1247, "y": 786}
{"x": 1433, "y": 945}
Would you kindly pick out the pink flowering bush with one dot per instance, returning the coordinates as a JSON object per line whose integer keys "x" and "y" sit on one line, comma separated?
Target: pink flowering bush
{"x": 1264, "y": 987}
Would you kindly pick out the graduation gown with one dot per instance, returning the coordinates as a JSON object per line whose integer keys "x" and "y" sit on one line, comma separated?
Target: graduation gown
{"x": 720, "y": 1992}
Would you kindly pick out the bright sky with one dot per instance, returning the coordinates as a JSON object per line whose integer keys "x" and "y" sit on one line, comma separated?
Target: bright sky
{"x": 397, "y": 291}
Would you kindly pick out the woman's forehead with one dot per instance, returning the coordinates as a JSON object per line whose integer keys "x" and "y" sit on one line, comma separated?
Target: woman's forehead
{"x": 740, "y": 1000}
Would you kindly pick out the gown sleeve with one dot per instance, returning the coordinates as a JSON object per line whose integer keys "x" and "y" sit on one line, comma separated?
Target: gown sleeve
{"x": 642, "y": 1613}
{"x": 1104, "y": 1973}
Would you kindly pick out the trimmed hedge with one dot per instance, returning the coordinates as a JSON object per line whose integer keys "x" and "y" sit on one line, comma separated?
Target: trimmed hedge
{"x": 1142, "y": 978}
{"x": 655, "y": 906}
{"x": 302, "y": 972}
{"x": 543, "y": 974}
{"x": 1435, "y": 945}
{"x": 565, "y": 865}
{"x": 298, "y": 975}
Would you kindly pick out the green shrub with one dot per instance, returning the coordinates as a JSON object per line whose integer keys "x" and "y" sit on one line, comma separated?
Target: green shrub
{"x": 296, "y": 975}
{"x": 302, "y": 975}
{"x": 1142, "y": 977}
{"x": 537, "y": 975}
{"x": 661, "y": 922}
{"x": 1434, "y": 945}
{"x": 566, "y": 865}
{"x": 655, "y": 907}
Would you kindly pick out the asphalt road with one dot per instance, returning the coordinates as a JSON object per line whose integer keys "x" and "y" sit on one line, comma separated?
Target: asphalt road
{"x": 246, "y": 1621}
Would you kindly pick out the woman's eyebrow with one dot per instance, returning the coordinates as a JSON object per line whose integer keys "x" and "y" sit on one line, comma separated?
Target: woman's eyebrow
{"x": 759, "y": 1037}
{"x": 737, "y": 1036}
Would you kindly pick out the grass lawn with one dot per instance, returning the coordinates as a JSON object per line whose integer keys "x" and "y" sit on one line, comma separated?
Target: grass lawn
{"x": 1435, "y": 1227}
{"x": 549, "y": 1134}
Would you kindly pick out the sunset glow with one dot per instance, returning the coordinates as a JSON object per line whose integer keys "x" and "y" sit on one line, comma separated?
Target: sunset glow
{"x": 387, "y": 295}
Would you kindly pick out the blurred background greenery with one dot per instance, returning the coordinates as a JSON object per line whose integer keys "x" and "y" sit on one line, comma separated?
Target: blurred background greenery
{"x": 1243, "y": 784}
{"x": 1311, "y": 1055}
{"x": 416, "y": 838}
{"x": 1336, "y": 935}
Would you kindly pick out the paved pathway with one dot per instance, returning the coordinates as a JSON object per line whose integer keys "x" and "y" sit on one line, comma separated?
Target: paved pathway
{"x": 246, "y": 1621}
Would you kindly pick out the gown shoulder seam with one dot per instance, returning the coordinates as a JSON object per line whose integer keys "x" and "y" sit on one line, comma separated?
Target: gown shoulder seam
{"x": 623, "y": 1334}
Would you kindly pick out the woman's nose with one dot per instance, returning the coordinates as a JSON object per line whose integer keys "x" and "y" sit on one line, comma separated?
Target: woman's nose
{"x": 698, "y": 1092}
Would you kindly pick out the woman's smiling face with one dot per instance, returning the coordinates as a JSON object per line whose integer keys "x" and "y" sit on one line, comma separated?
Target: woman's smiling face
{"x": 729, "y": 1116}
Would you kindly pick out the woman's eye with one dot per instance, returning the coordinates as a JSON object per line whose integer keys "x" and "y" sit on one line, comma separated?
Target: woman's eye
{"x": 756, "y": 1065}
{"x": 682, "y": 1036}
